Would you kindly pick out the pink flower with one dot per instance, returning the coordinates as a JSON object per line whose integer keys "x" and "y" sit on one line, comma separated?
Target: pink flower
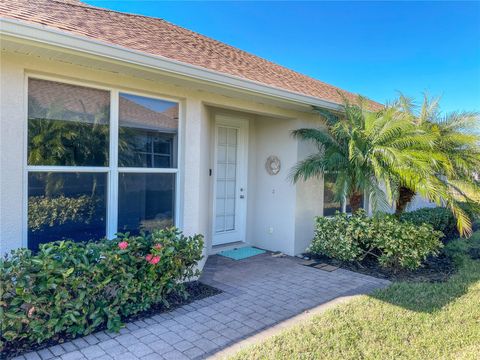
{"x": 149, "y": 257}
{"x": 158, "y": 246}
{"x": 31, "y": 311}
{"x": 155, "y": 260}
{"x": 123, "y": 245}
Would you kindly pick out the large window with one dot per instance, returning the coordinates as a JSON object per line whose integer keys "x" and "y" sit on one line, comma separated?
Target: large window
{"x": 92, "y": 173}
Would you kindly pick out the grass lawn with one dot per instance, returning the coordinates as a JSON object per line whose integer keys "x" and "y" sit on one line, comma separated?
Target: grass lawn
{"x": 405, "y": 321}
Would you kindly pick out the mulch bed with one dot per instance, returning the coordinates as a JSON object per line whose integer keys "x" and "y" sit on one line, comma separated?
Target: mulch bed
{"x": 195, "y": 289}
{"x": 435, "y": 269}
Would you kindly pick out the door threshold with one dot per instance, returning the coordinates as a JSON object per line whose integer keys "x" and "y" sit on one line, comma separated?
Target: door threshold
{"x": 229, "y": 246}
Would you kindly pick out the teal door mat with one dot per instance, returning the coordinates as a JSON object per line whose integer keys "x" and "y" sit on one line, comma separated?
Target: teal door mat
{"x": 241, "y": 253}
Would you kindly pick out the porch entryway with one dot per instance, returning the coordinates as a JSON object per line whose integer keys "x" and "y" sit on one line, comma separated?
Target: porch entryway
{"x": 248, "y": 204}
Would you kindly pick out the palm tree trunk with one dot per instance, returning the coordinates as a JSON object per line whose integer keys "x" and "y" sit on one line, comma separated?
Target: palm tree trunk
{"x": 405, "y": 196}
{"x": 355, "y": 200}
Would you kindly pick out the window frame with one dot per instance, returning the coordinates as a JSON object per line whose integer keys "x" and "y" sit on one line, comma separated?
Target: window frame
{"x": 112, "y": 170}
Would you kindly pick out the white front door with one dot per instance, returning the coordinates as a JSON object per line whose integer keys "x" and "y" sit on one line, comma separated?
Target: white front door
{"x": 230, "y": 180}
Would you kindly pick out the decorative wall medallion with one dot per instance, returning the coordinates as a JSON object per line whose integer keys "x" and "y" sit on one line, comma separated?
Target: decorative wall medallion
{"x": 273, "y": 165}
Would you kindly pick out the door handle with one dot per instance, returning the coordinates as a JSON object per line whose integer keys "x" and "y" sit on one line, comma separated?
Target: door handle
{"x": 242, "y": 196}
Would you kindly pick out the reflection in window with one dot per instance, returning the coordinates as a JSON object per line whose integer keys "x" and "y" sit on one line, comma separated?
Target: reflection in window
{"x": 66, "y": 206}
{"x": 330, "y": 205}
{"x": 67, "y": 124}
{"x": 145, "y": 201}
{"x": 348, "y": 208}
{"x": 148, "y": 132}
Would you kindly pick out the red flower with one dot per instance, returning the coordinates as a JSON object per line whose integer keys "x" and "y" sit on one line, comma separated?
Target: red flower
{"x": 158, "y": 246}
{"x": 149, "y": 257}
{"x": 155, "y": 260}
{"x": 123, "y": 245}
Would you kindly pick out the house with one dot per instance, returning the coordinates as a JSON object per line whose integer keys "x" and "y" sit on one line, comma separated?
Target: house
{"x": 118, "y": 122}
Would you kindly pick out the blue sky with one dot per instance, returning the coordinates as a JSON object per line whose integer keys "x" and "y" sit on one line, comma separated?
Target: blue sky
{"x": 372, "y": 48}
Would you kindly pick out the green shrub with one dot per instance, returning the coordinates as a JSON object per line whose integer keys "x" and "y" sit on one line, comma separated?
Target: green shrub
{"x": 341, "y": 236}
{"x": 462, "y": 247}
{"x": 441, "y": 219}
{"x": 394, "y": 243}
{"x": 74, "y": 288}
{"x": 403, "y": 244}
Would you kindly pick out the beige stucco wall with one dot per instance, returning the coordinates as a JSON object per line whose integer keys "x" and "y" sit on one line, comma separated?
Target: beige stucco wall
{"x": 309, "y": 197}
{"x": 12, "y": 121}
{"x": 273, "y": 201}
{"x": 273, "y": 208}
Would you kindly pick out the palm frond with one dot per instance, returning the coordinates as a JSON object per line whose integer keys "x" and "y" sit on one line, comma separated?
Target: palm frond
{"x": 321, "y": 137}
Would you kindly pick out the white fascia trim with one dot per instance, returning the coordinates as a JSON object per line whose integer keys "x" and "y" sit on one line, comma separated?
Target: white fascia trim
{"x": 49, "y": 36}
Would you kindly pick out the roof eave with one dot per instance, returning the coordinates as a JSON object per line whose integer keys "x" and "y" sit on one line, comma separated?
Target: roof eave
{"x": 45, "y": 35}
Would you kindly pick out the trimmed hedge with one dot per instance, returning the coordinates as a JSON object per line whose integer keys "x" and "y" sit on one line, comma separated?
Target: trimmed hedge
{"x": 394, "y": 243}
{"x": 441, "y": 219}
{"x": 74, "y": 288}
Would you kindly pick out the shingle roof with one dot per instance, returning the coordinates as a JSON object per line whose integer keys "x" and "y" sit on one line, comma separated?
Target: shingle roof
{"x": 158, "y": 37}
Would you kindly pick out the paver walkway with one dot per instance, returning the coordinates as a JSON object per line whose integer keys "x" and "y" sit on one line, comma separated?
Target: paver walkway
{"x": 258, "y": 292}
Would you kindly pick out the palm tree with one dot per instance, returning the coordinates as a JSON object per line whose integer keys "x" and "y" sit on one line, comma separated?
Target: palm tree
{"x": 454, "y": 161}
{"x": 365, "y": 150}
{"x": 406, "y": 151}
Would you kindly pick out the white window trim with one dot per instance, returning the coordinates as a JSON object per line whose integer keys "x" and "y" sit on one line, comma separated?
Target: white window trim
{"x": 112, "y": 170}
